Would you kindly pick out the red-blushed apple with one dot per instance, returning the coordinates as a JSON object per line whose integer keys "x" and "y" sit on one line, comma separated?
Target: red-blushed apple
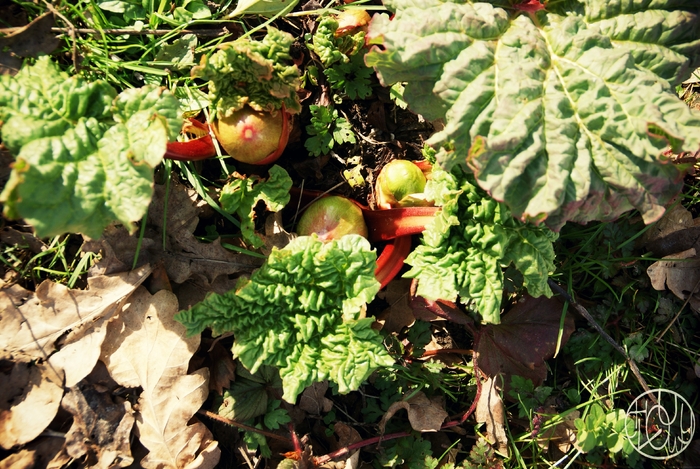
{"x": 253, "y": 137}
{"x": 332, "y": 217}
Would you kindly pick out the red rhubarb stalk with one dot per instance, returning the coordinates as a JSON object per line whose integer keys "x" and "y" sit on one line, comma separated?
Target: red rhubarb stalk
{"x": 390, "y": 261}
{"x": 199, "y": 148}
{"x": 392, "y": 223}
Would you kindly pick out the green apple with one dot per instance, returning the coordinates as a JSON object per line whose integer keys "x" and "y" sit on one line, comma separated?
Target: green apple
{"x": 400, "y": 184}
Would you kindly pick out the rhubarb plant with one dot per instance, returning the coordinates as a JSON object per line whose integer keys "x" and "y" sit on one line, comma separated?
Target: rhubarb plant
{"x": 339, "y": 43}
{"x": 241, "y": 195}
{"x": 260, "y": 74}
{"x": 84, "y": 156}
{"x": 469, "y": 243}
{"x": 303, "y": 312}
{"x": 561, "y": 110}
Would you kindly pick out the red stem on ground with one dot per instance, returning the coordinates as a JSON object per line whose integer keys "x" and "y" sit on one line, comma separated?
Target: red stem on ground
{"x": 378, "y": 439}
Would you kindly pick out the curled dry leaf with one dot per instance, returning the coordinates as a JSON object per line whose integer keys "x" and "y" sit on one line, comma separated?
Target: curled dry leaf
{"x": 147, "y": 348}
{"x": 184, "y": 257}
{"x": 32, "y": 328}
{"x": 29, "y": 399}
{"x": 680, "y": 273}
{"x": 490, "y": 410}
{"x": 101, "y": 428}
{"x": 313, "y": 399}
{"x": 424, "y": 415}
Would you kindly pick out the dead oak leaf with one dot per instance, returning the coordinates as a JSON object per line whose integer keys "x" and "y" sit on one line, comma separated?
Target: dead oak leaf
{"x": 147, "y": 348}
{"x": 424, "y": 415}
{"x": 526, "y": 337}
{"x": 33, "y": 327}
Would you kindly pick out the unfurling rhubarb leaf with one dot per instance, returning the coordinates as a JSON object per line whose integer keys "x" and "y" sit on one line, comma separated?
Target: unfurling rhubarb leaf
{"x": 302, "y": 312}
{"x": 465, "y": 257}
{"x": 84, "y": 156}
{"x": 260, "y": 74}
{"x": 561, "y": 113}
{"x": 242, "y": 194}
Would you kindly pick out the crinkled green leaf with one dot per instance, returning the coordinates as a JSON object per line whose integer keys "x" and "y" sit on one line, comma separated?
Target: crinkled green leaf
{"x": 84, "y": 156}
{"x": 242, "y": 194}
{"x": 301, "y": 311}
{"x": 469, "y": 243}
{"x": 563, "y": 114}
{"x": 260, "y": 74}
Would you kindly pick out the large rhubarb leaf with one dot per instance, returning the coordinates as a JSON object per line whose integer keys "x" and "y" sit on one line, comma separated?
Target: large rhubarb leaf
{"x": 470, "y": 241}
{"x": 84, "y": 156}
{"x": 562, "y": 113}
{"x": 302, "y": 312}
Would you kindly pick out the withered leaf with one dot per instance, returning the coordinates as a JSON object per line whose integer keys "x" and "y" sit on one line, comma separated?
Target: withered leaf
{"x": 680, "y": 273}
{"x": 490, "y": 410}
{"x": 101, "y": 428}
{"x": 146, "y": 347}
{"x": 424, "y": 415}
{"x": 31, "y": 396}
{"x": 526, "y": 337}
{"x": 33, "y": 327}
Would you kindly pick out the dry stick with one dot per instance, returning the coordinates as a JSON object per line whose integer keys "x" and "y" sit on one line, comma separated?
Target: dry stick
{"x": 378, "y": 439}
{"x": 584, "y": 312}
{"x": 145, "y": 32}
{"x": 70, "y": 30}
{"x": 687, "y": 300}
{"x": 242, "y": 426}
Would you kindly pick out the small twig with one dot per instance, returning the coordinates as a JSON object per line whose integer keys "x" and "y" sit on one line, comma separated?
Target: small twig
{"x": 460, "y": 351}
{"x": 392, "y": 436}
{"x": 243, "y": 426}
{"x": 675, "y": 318}
{"x": 70, "y": 30}
{"x": 143, "y": 32}
{"x": 584, "y": 312}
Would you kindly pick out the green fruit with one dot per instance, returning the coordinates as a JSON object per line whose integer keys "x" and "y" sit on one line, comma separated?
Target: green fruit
{"x": 331, "y": 218}
{"x": 398, "y": 180}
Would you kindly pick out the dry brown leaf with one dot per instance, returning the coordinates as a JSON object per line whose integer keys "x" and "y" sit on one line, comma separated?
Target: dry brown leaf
{"x": 313, "y": 399}
{"x": 28, "y": 41}
{"x": 30, "y": 398}
{"x": 146, "y": 347}
{"x": 32, "y": 328}
{"x": 424, "y": 415}
{"x": 101, "y": 428}
{"x": 490, "y": 410}
{"x": 680, "y": 273}
{"x": 562, "y": 435}
{"x": 25, "y": 459}
{"x": 184, "y": 257}
{"x": 399, "y": 314}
